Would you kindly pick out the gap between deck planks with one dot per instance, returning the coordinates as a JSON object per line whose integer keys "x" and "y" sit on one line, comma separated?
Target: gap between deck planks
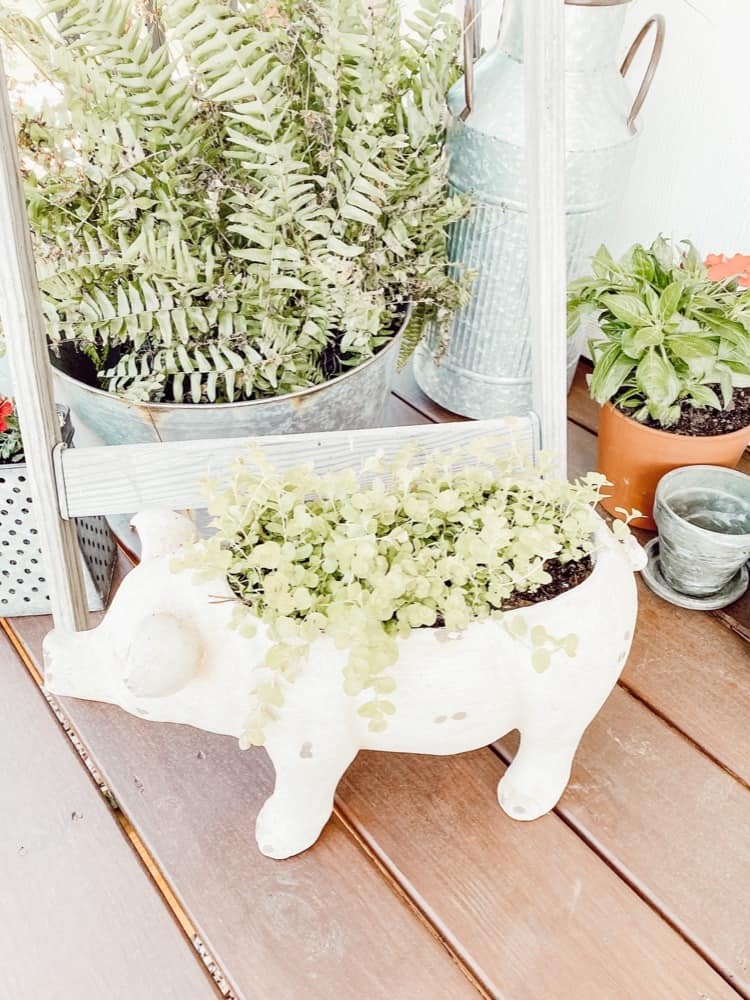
{"x": 498, "y": 861}
{"x": 79, "y": 914}
{"x": 433, "y": 823}
{"x": 324, "y": 921}
{"x": 646, "y": 778}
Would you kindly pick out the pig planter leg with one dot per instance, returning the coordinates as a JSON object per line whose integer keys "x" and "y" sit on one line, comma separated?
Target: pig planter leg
{"x": 307, "y": 773}
{"x": 539, "y": 773}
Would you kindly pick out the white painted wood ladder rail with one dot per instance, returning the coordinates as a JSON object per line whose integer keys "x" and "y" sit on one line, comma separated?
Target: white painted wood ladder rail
{"x": 112, "y": 480}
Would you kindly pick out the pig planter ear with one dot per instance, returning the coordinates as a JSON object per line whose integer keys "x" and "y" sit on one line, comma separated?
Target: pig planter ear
{"x": 166, "y": 650}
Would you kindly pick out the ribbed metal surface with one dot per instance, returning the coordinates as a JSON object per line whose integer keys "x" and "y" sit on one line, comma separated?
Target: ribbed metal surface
{"x": 480, "y": 366}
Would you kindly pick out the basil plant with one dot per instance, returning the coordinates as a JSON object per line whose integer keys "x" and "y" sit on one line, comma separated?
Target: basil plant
{"x": 670, "y": 337}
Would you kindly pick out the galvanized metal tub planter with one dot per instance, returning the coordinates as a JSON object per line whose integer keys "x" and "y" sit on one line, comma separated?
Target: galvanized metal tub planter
{"x": 350, "y": 401}
{"x": 703, "y": 516}
{"x": 479, "y": 363}
{"x": 23, "y": 579}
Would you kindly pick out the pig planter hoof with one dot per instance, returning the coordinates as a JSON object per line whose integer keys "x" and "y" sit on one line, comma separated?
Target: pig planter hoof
{"x": 166, "y": 651}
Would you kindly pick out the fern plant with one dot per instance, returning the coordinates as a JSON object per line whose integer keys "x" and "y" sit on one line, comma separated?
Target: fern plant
{"x": 236, "y": 200}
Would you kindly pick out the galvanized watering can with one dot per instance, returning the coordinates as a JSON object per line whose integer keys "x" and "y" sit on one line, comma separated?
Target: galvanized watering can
{"x": 478, "y": 364}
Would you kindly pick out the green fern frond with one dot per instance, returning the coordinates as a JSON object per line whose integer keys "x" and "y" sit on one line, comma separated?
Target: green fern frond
{"x": 231, "y": 200}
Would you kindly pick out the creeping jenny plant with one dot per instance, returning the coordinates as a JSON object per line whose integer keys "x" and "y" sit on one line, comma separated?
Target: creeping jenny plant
{"x": 236, "y": 200}
{"x": 671, "y": 336}
{"x": 364, "y": 562}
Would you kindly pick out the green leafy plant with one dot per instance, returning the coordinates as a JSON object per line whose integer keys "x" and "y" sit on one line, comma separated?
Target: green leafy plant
{"x": 11, "y": 445}
{"x": 671, "y": 336}
{"x": 233, "y": 201}
{"x": 439, "y": 542}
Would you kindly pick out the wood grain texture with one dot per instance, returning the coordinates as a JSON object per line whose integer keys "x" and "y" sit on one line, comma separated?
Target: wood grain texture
{"x": 696, "y": 673}
{"x": 125, "y": 478}
{"x": 673, "y": 823}
{"x": 529, "y": 904}
{"x": 406, "y": 389}
{"x": 544, "y": 97}
{"x": 26, "y": 341}
{"x": 323, "y": 923}
{"x": 79, "y": 915}
{"x": 686, "y": 665}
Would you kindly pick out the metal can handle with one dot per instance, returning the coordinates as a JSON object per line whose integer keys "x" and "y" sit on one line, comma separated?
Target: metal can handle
{"x": 661, "y": 26}
{"x": 471, "y": 32}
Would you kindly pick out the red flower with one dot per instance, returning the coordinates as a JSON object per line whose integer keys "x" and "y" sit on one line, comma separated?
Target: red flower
{"x": 720, "y": 268}
{"x": 6, "y": 409}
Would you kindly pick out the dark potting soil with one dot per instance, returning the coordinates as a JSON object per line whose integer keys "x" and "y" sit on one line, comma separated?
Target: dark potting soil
{"x": 565, "y": 576}
{"x": 333, "y": 362}
{"x": 705, "y": 421}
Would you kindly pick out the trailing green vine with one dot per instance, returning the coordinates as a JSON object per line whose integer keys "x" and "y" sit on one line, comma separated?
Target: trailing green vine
{"x": 364, "y": 556}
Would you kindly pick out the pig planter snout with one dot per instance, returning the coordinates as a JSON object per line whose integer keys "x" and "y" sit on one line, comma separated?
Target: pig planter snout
{"x": 166, "y": 651}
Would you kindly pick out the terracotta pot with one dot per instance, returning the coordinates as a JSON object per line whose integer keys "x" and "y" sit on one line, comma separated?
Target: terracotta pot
{"x": 634, "y": 457}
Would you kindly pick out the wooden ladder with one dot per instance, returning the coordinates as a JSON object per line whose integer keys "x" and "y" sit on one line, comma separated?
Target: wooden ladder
{"x": 69, "y": 483}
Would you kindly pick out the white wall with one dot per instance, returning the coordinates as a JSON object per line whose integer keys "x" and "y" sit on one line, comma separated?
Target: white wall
{"x": 692, "y": 173}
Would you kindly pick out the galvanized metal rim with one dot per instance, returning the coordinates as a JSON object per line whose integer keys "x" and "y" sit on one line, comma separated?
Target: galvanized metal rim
{"x": 286, "y": 397}
{"x": 683, "y": 471}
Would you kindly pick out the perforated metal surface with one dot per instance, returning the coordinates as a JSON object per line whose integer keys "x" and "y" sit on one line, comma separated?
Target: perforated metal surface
{"x": 23, "y": 584}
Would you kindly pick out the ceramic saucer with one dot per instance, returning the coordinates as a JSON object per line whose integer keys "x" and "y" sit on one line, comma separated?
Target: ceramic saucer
{"x": 727, "y": 595}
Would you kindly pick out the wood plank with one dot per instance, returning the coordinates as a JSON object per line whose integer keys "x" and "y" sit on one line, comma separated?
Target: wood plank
{"x": 686, "y": 665}
{"x": 322, "y": 923}
{"x": 406, "y": 389}
{"x": 544, "y": 104}
{"x": 694, "y": 672}
{"x": 399, "y": 414}
{"x": 668, "y": 819}
{"x": 79, "y": 915}
{"x": 124, "y": 478}
{"x": 529, "y": 904}
{"x": 25, "y": 334}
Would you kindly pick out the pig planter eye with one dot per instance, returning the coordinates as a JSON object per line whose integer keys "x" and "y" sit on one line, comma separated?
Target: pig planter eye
{"x": 170, "y": 649}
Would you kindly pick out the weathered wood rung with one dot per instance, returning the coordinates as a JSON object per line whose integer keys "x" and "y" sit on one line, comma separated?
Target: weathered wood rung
{"x": 125, "y": 478}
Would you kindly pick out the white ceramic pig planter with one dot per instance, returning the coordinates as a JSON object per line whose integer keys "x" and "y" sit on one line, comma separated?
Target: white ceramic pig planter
{"x": 165, "y": 651}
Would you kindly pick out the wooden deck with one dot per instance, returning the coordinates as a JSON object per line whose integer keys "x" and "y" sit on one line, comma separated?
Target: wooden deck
{"x": 130, "y": 870}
